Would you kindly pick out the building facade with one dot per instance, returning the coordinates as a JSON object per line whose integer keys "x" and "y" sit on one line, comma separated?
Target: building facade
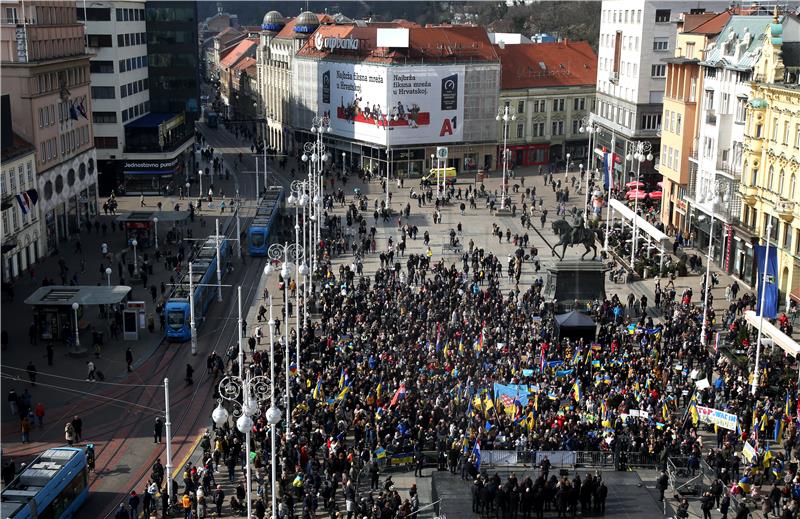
{"x": 46, "y": 74}
{"x": 550, "y": 88}
{"x": 634, "y": 38}
{"x": 22, "y": 241}
{"x": 770, "y": 182}
{"x": 390, "y": 106}
{"x": 728, "y": 69}
{"x": 682, "y": 96}
{"x": 280, "y": 39}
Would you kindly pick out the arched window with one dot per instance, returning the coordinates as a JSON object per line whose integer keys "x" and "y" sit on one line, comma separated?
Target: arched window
{"x": 792, "y": 186}
{"x": 770, "y": 177}
{"x": 781, "y": 178}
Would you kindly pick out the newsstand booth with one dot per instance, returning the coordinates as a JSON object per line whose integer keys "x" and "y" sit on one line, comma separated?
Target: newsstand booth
{"x": 142, "y": 226}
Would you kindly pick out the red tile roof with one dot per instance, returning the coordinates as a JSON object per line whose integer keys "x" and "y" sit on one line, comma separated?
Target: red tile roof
{"x": 244, "y": 64}
{"x": 706, "y": 23}
{"x": 239, "y": 51}
{"x": 532, "y": 65}
{"x": 425, "y": 44}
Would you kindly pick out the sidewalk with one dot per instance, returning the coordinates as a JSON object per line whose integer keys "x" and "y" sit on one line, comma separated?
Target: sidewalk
{"x": 62, "y": 382}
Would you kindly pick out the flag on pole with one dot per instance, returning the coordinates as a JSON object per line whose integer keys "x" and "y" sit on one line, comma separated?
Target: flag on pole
{"x": 27, "y": 199}
{"x": 476, "y": 451}
{"x": 398, "y": 395}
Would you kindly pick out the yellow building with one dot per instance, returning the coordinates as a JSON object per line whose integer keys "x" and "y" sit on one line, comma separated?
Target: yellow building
{"x": 679, "y": 127}
{"x": 771, "y": 168}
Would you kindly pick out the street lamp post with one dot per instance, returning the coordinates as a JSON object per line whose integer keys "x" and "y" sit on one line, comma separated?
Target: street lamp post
{"x": 642, "y": 152}
{"x": 252, "y": 390}
{"x": 387, "y": 119}
{"x": 754, "y": 387}
{"x": 188, "y": 196}
{"x": 75, "y": 307}
{"x": 299, "y": 199}
{"x": 503, "y": 115}
{"x": 435, "y": 165}
{"x": 155, "y": 222}
{"x": 566, "y": 170}
{"x": 108, "y": 275}
{"x": 588, "y": 127}
{"x": 708, "y": 280}
{"x": 284, "y": 254}
{"x": 192, "y": 327}
{"x": 200, "y": 174}
{"x": 135, "y": 258}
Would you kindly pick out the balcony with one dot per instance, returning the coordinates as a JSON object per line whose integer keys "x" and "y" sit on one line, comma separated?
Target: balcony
{"x": 613, "y": 77}
{"x": 711, "y": 118}
{"x": 785, "y": 209}
{"x": 729, "y": 168}
{"x": 748, "y": 193}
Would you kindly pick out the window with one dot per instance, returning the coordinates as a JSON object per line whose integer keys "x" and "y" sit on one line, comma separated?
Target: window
{"x": 127, "y": 39}
{"x": 770, "y": 177}
{"x": 520, "y": 130}
{"x": 741, "y": 109}
{"x": 658, "y": 71}
{"x": 104, "y": 117}
{"x": 579, "y": 103}
{"x": 539, "y": 105}
{"x": 678, "y": 124}
{"x": 94, "y": 14}
{"x": 662, "y": 15}
{"x": 558, "y": 105}
{"x": 99, "y": 40}
{"x": 786, "y": 133}
{"x": 576, "y": 127}
{"x": 123, "y": 91}
{"x": 520, "y": 106}
{"x": 661, "y": 44}
{"x": 122, "y": 66}
{"x": 775, "y": 129}
{"x": 558, "y": 128}
{"x": 792, "y": 186}
{"x": 651, "y": 121}
{"x": 797, "y": 135}
{"x": 105, "y": 142}
{"x": 538, "y": 129}
{"x": 101, "y": 67}
{"x": 781, "y": 180}
{"x": 102, "y": 92}
{"x": 120, "y": 40}
{"x": 690, "y": 50}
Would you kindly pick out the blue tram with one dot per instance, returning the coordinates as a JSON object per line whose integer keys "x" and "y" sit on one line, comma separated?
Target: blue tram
{"x": 258, "y": 233}
{"x": 54, "y": 485}
{"x": 177, "y": 315}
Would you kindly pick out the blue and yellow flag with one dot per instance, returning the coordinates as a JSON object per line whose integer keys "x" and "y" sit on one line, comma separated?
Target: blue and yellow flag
{"x": 576, "y": 387}
{"x": 317, "y": 393}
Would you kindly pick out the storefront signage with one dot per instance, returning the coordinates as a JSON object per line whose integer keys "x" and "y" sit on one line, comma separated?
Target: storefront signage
{"x": 331, "y": 42}
{"x": 148, "y": 165}
{"x": 392, "y": 106}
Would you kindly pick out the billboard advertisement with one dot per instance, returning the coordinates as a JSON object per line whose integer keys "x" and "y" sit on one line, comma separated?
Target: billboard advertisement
{"x": 392, "y": 106}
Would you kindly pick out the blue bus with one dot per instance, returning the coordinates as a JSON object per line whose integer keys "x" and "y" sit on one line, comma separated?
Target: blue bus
{"x": 258, "y": 233}
{"x": 177, "y": 314}
{"x": 54, "y": 486}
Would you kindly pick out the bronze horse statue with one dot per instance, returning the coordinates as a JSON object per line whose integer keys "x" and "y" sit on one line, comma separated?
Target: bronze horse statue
{"x": 569, "y": 235}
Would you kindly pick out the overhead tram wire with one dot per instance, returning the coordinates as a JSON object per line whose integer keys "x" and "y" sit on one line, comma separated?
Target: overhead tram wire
{"x": 41, "y": 373}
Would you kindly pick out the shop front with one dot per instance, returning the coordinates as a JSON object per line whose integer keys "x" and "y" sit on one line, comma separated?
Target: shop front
{"x": 701, "y": 226}
{"x": 524, "y": 155}
{"x": 152, "y": 177}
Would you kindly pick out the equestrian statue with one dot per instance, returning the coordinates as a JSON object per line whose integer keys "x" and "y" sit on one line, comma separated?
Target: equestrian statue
{"x": 574, "y": 235}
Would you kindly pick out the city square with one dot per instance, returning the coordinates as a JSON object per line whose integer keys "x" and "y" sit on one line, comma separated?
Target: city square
{"x": 338, "y": 265}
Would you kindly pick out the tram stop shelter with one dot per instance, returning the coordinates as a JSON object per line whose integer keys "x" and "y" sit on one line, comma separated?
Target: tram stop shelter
{"x": 769, "y": 330}
{"x": 54, "y": 315}
{"x": 142, "y": 226}
{"x": 654, "y": 237}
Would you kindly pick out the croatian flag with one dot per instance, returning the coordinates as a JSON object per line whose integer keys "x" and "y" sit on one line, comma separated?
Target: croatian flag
{"x": 27, "y": 199}
{"x": 476, "y": 451}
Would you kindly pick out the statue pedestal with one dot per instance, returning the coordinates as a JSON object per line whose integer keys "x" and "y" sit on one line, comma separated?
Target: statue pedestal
{"x": 569, "y": 280}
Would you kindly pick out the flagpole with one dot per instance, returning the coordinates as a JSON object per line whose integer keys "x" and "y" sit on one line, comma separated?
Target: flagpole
{"x": 760, "y": 310}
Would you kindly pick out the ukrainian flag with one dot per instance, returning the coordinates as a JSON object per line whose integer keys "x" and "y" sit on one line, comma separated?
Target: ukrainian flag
{"x": 745, "y": 485}
{"x": 577, "y": 389}
{"x": 317, "y": 394}
{"x": 380, "y": 453}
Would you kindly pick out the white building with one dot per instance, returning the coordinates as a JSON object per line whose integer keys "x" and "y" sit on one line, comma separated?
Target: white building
{"x": 22, "y": 240}
{"x": 635, "y": 35}
{"x": 116, "y": 35}
{"x": 279, "y": 41}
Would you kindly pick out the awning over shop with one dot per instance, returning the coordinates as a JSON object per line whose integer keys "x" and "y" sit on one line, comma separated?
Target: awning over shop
{"x": 641, "y": 223}
{"x": 768, "y": 329}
